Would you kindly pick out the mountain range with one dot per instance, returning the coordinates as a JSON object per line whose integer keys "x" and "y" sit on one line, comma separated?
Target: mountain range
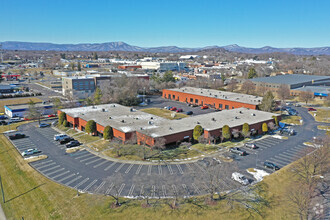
{"x": 122, "y": 46}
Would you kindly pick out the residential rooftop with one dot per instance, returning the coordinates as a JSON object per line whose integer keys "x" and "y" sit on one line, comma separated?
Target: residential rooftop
{"x": 290, "y": 79}
{"x": 128, "y": 119}
{"x": 212, "y": 93}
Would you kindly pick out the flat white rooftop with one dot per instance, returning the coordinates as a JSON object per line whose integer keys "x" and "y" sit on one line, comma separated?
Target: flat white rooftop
{"x": 230, "y": 96}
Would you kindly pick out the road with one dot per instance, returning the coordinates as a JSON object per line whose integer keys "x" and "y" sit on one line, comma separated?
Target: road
{"x": 90, "y": 173}
{"x": 2, "y": 214}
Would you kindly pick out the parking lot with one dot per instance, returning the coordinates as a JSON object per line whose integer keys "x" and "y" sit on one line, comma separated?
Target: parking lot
{"x": 159, "y": 102}
{"x": 88, "y": 172}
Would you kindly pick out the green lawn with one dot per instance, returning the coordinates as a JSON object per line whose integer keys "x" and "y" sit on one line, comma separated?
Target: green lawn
{"x": 99, "y": 145}
{"x": 164, "y": 113}
{"x": 291, "y": 119}
{"x": 86, "y": 138}
{"x": 71, "y": 132}
{"x": 322, "y": 115}
{"x": 206, "y": 148}
{"x": 323, "y": 127}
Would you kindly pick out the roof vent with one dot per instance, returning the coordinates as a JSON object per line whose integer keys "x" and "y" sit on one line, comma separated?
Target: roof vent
{"x": 215, "y": 95}
{"x": 210, "y": 93}
{"x": 103, "y": 110}
{"x": 198, "y": 123}
{"x": 136, "y": 118}
{"x": 141, "y": 128}
{"x": 213, "y": 119}
{"x": 241, "y": 112}
{"x": 114, "y": 106}
{"x": 123, "y": 121}
{"x": 110, "y": 117}
{"x": 253, "y": 114}
{"x": 236, "y": 117}
{"x": 131, "y": 109}
{"x": 151, "y": 117}
{"x": 150, "y": 122}
{"x": 171, "y": 128}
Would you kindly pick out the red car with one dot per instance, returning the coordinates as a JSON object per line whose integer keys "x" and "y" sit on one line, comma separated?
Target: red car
{"x": 204, "y": 107}
{"x": 179, "y": 110}
{"x": 312, "y": 110}
{"x": 173, "y": 109}
{"x": 51, "y": 115}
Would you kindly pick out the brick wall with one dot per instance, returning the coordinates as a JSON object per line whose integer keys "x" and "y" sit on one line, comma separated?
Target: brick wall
{"x": 204, "y": 100}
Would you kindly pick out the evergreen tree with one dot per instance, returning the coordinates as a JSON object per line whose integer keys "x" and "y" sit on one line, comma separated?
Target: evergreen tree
{"x": 61, "y": 118}
{"x": 97, "y": 96}
{"x": 252, "y": 73}
{"x": 79, "y": 66}
{"x": 198, "y": 131}
{"x": 226, "y": 132}
{"x": 91, "y": 127}
{"x": 268, "y": 102}
{"x": 246, "y": 130}
{"x": 108, "y": 133}
{"x": 264, "y": 127}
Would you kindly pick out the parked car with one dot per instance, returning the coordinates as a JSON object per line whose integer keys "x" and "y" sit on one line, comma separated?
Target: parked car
{"x": 240, "y": 178}
{"x": 3, "y": 123}
{"x": 3, "y": 117}
{"x": 43, "y": 125}
{"x": 189, "y": 113}
{"x": 204, "y": 107}
{"x": 14, "y": 120}
{"x": 173, "y": 109}
{"x": 271, "y": 166}
{"x": 194, "y": 105}
{"x": 51, "y": 115}
{"x": 74, "y": 143}
{"x": 312, "y": 110}
{"x": 66, "y": 140}
{"x": 288, "y": 131}
{"x": 297, "y": 105}
{"x": 168, "y": 107}
{"x": 58, "y": 137}
{"x": 16, "y": 136}
{"x": 30, "y": 152}
{"x": 179, "y": 110}
{"x": 238, "y": 151}
{"x": 250, "y": 145}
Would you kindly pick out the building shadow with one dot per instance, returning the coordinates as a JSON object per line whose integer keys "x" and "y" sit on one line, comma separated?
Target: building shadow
{"x": 22, "y": 194}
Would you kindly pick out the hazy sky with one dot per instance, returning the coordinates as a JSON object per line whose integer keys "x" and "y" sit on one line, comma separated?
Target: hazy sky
{"x": 184, "y": 23}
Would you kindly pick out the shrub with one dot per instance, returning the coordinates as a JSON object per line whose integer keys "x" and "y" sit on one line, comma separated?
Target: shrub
{"x": 91, "y": 127}
{"x": 226, "y": 132}
{"x": 65, "y": 123}
{"x": 264, "y": 127}
{"x": 246, "y": 130}
{"x": 108, "y": 133}
{"x": 61, "y": 118}
{"x": 198, "y": 131}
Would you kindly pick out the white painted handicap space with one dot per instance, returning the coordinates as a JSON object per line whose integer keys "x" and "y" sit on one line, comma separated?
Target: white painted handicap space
{"x": 149, "y": 170}
{"x": 189, "y": 166}
{"x": 82, "y": 156}
{"x": 170, "y": 169}
{"x": 121, "y": 189}
{"x": 286, "y": 157}
{"x": 109, "y": 189}
{"x": 138, "y": 169}
{"x": 41, "y": 163}
{"x": 79, "y": 153}
{"x": 196, "y": 188}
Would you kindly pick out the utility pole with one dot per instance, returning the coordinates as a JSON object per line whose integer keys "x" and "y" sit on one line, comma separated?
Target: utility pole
{"x": 2, "y": 192}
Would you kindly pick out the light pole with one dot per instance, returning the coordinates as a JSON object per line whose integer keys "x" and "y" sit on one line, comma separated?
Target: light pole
{"x": 77, "y": 184}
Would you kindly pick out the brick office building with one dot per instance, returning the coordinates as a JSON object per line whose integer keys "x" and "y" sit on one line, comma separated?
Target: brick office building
{"x": 213, "y": 98}
{"x": 149, "y": 128}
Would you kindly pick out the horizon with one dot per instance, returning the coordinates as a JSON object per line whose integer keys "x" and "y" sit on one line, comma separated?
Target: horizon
{"x": 189, "y": 24}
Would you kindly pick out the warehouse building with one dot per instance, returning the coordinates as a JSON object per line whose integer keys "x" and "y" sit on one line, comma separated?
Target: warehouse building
{"x": 149, "y": 128}
{"x": 318, "y": 91}
{"x": 292, "y": 81}
{"x": 213, "y": 98}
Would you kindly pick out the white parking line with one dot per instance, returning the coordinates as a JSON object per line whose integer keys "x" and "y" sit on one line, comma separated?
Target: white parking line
{"x": 44, "y": 171}
{"x": 121, "y": 188}
{"x": 149, "y": 170}
{"x": 67, "y": 177}
{"x": 282, "y": 159}
{"x": 118, "y": 168}
{"x": 129, "y": 168}
{"x": 82, "y": 182}
{"x": 109, "y": 189}
{"x": 80, "y": 153}
{"x": 153, "y": 191}
{"x": 88, "y": 158}
{"x": 99, "y": 187}
{"x": 142, "y": 190}
{"x": 179, "y": 168}
{"x": 174, "y": 189}
{"x": 283, "y": 154}
{"x": 47, "y": 165}
{"x": 108, "y": 167}
{"x": 164, "y": 190}
{"x": 138, "y": 169}
{"x": 44, "y": 162}
{"x": 188, "y": 165}
{"x": 61, "y": 174}
{"x": 169, "y": 169}
{"x": 48, "y": 174}
{"x": 100, "y": 158}
{"x": 82, "y": 156}
{"x": 89, "y": 185}
{"x": 199, "y": 167}
{"x": 185, "y": 188}
{"x": 160, "y": 171}
{"x": 100, "y": 164}
{"x": 73, "y": 180}
{"x": 278, "y": 162}
{"x": 130, "y": 193}
{"x": 196, "y": 188}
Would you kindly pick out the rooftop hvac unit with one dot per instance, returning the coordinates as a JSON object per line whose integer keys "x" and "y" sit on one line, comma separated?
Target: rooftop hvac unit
{"x": 150, "y": 122}
{"x": 110, "y": 117}
{"x": 198, "y": 123}
{"x": 123, "y": 121}
{"x": 103, "y": 110}
{"x": 171, "y": 128}
{"x": 151, "y": 117}
{"x": 213, "y": 119}
{"x": 141, "y": 128}
{"x": 236, "y": 117}
{"x": 253, "y": 114}
{"x": 131, "y": 109}
{"x": 241, "y": 112}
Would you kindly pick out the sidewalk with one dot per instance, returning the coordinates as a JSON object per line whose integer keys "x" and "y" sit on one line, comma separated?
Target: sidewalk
{"x": 2, "y": 214}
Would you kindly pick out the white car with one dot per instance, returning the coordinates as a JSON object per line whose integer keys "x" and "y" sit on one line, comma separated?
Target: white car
{"x": 59, "y": 137}
{"x": 30, "y": 152}
{"x": 240, "y": 178}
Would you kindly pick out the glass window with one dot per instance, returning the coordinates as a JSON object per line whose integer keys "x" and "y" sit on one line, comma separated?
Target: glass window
{"x": 220, "y": 106}
{"x": 191, "y": 100}
{"x": 227, "y": 106}
{"x": 196, "y": 101}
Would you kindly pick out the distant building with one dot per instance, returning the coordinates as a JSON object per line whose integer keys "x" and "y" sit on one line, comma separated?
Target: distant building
{"x": 7, "y": 88}
{"x": 129, "y": 67}
{"x": 163, "y": 66}
{"x": 318, "y": 91}
{"x": 20, "y": 110}
{"x": 188, "y": 57}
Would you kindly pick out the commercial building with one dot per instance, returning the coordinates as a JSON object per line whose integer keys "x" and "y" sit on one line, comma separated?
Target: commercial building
{"x": 84, "y": 86}
{"x": 213, "y": 98}
{"x": 318, "y": 91}
{"x": 7, "y": 88}
{"x": 127, "y": 122}
{"x": 20, "y": 110}
{"x": 292, "y": 81}
{"x": 163, "y": 66}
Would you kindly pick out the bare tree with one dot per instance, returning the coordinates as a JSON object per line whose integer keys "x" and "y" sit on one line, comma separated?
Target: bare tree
{"x": 115, "y": 189}
{"x": 248, "y": 87}
{"x": 232, "y": 86}
{"x": 261, "y": 90}
{"x": 235, "y": 133}
{"x": 283, "y": 92}
{"x": 306, "y": 96}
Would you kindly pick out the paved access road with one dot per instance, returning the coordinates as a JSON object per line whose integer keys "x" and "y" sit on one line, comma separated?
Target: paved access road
{"x": 90, "y": 173}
